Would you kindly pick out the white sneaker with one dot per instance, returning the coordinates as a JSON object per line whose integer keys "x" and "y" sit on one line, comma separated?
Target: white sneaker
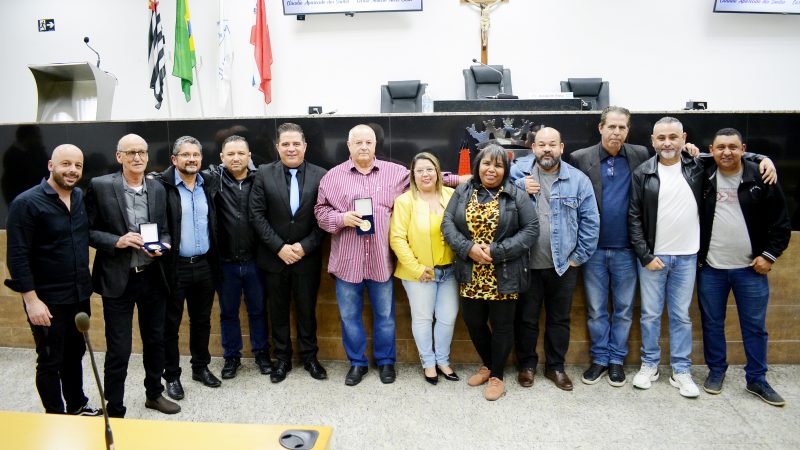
{"x": 646, "y": 375}
{"x": 684, "y": 382}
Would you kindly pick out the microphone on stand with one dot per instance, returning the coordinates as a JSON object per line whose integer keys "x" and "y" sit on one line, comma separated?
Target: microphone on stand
{"x": 86, "y": 41}
{"x": 502, "y": 94}
{"x": 82, "y": 323}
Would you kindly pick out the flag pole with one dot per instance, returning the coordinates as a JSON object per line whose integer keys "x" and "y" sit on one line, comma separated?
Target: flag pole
{"x": 168, "y": 57}
{"x": 199, "y": 91}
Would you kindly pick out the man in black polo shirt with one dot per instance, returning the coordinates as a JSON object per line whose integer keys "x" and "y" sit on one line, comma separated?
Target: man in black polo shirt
{"x": 48, "y": 260}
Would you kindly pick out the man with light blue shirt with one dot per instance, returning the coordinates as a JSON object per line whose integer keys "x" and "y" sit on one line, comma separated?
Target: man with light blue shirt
{"x": 193, "y": 268}
{"x": 570, "y": 226}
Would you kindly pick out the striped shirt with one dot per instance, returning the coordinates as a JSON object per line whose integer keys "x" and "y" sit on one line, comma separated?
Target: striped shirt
{"x": 357, "y": 258}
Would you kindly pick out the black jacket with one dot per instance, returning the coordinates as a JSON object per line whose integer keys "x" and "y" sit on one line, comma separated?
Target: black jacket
{"x": 236, "y": 238}
{"x": 516, "y": 233}
{"x": 274, "y": 224}
{"x": 643, "y": 209}
{"x": 167, "y": 179}
{"x": 764, "y": 210}
{"x": 105, "y": 205}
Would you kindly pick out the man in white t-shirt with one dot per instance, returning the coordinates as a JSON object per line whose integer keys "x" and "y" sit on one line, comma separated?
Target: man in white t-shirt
{"x": 664, "y": 229}
{"x": 744, "y": 228}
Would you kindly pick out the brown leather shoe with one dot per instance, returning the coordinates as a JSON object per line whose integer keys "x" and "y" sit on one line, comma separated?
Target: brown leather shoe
{"x": 525, "y": 376}
{"x": 560, "y": 379}
{"x": 480, "y": 377}
{"x": 494, "y": 389}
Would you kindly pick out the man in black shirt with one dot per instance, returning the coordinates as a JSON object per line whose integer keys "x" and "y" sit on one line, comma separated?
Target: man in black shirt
{"x": 48, "y": 259}
{"x": 237, "y": 245}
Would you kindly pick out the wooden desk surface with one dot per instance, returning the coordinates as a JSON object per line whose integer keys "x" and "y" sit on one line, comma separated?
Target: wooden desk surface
{"x": 28, "y": 431}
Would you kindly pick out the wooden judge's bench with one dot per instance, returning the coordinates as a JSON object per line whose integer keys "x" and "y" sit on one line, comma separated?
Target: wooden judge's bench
{"x": 783, "y": 322}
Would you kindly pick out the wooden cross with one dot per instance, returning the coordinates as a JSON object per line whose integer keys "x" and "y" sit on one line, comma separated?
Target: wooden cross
{"x": 485, "y": 7}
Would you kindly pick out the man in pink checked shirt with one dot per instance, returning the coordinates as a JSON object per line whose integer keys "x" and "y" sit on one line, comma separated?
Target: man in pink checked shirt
{"x": 362, "y": 262}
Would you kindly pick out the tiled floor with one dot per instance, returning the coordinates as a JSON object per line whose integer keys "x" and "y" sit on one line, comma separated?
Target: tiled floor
{"x": 412, "y": 414}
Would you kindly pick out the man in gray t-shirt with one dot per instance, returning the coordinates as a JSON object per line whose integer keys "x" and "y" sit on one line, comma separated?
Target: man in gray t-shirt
{"x": 744, "y": 228}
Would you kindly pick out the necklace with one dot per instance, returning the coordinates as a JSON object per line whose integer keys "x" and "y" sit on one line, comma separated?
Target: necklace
{"x": 494, "y": 196}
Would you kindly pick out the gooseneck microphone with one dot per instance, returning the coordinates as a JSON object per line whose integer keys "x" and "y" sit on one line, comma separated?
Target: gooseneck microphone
{"x": 82, "y": 323}
{"x": 502, "y": 87}
{"x": 86, "y": 41}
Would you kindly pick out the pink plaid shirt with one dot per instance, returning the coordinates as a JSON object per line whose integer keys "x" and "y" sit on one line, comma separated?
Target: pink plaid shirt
{"x": 357, "y": 258}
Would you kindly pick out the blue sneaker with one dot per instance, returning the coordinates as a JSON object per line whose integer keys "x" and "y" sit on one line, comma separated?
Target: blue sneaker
{"x": 763, "y": 390}
{"x": 713, "y": 383}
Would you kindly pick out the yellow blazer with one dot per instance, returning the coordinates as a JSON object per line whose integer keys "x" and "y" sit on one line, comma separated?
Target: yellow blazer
{"x": 414, "y": 238}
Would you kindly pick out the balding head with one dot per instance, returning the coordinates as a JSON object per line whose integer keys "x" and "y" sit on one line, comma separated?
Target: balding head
{"x": 361, "y": 143}
{"x": 66, "y": 167}
{"x": 131, "y": 140}
{"x": 132, "y": 155}
{"x": 548, "y": 133}
{"x": 547, "y": 148}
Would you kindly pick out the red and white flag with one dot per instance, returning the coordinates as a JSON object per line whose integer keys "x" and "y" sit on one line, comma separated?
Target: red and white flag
{"x": 259, "y": 37}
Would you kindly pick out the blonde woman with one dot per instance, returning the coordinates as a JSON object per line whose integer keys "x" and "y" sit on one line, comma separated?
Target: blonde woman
{"x": 425, "y": 265}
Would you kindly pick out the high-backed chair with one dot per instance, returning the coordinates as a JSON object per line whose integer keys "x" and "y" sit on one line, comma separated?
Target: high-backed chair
{"x": 593, "y": 91}
{"x": 402, "y": 96}
{"x": 482, "y": 82}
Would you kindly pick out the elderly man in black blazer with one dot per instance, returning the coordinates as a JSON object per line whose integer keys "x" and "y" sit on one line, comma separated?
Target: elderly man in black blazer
{"x": 609, "y": 165}
{"x": 128, "y": 271}
{"x": 282, "y": 212}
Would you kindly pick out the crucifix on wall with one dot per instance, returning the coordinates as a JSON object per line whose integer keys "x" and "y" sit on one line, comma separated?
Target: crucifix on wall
{"x": 485, "y": 7}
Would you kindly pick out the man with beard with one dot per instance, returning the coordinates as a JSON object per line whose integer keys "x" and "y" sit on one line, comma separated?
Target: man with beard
{"x": 129, "y": 275}
{"x": 569, "y": 227}
{"x": 664, "y": 226}
{"x": 233, "y": 181}
{"x": 48, "y": 260}
{"x": 193, "y": 268}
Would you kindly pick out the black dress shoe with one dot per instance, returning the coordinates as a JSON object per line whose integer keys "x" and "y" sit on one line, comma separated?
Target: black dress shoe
{"x": 279, "y": 371}
{"x": 387, "y": 373}
{"x": 452, "y": 376}
{"x": 264, "y": 364}
{"x": 162, "y": 405}
{"x": 175, "y": 389}
{"x": 206, "y": 377}
{"x": 316, "y": 370}
{"x": 432, "y": 380}
{"x": 355, "y": 375}
{"x": 229, "y": 369}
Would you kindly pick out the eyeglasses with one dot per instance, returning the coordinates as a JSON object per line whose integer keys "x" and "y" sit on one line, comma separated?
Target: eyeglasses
{"x": 189, "y": 155}
{"x": 428, "y": 171}
{"x": 131, "y": 154}
{"x": 610, "y": 169}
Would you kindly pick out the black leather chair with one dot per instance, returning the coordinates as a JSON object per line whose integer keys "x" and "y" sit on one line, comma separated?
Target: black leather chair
{"x": 402, "y": 96}
{"x": 593, "y": 91}
{"x": 481, "y": 82}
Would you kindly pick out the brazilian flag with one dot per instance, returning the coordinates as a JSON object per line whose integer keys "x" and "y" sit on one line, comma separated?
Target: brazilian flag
{"x": 184, "y": 60}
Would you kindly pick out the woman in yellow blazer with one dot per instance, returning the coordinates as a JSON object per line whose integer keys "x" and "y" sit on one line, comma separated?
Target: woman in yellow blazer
{"x": 425, "y": 265}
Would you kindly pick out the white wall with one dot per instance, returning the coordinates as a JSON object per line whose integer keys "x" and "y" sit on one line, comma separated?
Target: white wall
{"x": 656, "y": 54}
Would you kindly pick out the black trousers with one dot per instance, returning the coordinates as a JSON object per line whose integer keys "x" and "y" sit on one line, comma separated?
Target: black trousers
{"x": 145, "y": 291}
{"x": 281, "y": 289}
{"x": 555, "y": 293}
{"x": 59, "y": 355}
{"x": 493, "y": 344}
{"x": 195, "y": 285}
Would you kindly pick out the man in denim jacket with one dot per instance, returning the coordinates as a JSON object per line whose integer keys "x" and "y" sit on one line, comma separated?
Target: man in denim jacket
{"x": 567, "y": 208}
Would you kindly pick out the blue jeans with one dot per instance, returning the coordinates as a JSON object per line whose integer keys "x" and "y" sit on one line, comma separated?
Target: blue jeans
{"x": 350, "y": 297}
{"x": 675, "y": 283}
{"x": 610, "y": 337}
{"x": 751, "y": 291}
{"x": 237, "y": 278}
{"x": 439, "y": 299}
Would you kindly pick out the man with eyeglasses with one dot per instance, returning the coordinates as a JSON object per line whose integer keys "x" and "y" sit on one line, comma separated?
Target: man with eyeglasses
{"x": 568, "y": 224}
{"x": 609, "y": 165}
{"x": 194, "y": 269}
{"x": 128, "y": 274}
{"x": 363, "y": 262}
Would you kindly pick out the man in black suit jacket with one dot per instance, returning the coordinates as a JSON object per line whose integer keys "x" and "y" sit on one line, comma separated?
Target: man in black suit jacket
{"x": 282, "y": 212}
{"x": 609, "y": 165}
{"x": 128, "y": 274}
